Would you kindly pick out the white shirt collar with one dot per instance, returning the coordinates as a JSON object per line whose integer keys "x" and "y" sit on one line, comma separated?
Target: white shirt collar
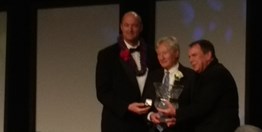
{"x": 173, "y": 69}
{"x": 128, "y": 45}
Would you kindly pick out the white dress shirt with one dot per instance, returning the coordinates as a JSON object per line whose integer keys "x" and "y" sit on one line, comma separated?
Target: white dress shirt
{"x": 136, "y": 56}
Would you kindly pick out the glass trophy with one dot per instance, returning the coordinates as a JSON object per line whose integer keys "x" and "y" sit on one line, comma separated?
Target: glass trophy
{"x": 165, "y": 92}
{"x": 170, "y": 93}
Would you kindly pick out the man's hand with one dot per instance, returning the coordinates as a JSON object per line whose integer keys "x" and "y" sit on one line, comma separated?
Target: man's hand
{"x": 138, "y": 108}
{"x": 169, "y": 113}
{"x": 155, "y": 117}
{"x": 170, "y": 121}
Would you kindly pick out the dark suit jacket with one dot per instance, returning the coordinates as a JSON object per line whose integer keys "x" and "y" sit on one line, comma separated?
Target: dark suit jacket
{"x": 184, "y": 99}
{"x": 215, "y": 102}
{"x": 117, "y": 87}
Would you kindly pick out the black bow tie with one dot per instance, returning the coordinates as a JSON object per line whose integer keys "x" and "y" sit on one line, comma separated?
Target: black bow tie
{"x": 134, "y": 49}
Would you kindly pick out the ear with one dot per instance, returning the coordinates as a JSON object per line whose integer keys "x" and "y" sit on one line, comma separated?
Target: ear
{"x": 177, "y": 54}
{"x": 120, "y": 26}
{"x": 141, "y": 28}
{"x": 208, "y": 55}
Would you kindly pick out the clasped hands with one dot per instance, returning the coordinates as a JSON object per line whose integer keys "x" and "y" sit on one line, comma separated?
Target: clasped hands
{"x": 169, "y": 114}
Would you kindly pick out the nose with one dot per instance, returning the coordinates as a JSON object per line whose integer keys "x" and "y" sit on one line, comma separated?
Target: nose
{"x": 130, "y": 28}
{"x": 160, "y": 57}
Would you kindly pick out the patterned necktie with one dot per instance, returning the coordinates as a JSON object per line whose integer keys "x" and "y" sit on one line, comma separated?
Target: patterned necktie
{"x": 166, "y": 79}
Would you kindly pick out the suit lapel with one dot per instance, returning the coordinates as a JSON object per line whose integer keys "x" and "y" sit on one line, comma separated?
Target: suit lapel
{"x": 156, "y": 77}
{"x": 130, "y": 74}
{"x": 182, "y": 69}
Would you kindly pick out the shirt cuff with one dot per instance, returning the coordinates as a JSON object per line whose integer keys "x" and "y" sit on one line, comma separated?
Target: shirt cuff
{"x": 148, "y": 116}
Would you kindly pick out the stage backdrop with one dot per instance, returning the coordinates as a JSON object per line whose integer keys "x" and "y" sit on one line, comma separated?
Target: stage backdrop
{"x": 68, "y": 40}
{"x": 2, "y": 66}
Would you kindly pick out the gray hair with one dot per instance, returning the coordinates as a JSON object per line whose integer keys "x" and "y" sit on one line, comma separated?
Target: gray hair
{"x": 171, "y": 41}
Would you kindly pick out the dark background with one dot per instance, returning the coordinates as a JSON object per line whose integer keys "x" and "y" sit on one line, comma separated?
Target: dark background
{"x": 20, "y": 84}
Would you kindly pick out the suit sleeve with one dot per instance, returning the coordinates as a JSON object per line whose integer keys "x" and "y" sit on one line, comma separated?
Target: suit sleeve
{"x": 106, "y": 83}
{"x": 205, "y": 97}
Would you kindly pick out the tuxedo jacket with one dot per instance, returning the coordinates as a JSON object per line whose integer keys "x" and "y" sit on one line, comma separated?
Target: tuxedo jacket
{"x": 117, "y": 87}
{"x": 188, "y": 80}
{"x": 214, "y": 106}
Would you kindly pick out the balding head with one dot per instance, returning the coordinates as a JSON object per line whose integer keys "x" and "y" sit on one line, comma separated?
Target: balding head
{"x": 132, "y": 13}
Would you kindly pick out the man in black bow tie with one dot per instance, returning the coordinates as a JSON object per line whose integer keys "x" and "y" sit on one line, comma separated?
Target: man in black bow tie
{"x": 121, "y": 77}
